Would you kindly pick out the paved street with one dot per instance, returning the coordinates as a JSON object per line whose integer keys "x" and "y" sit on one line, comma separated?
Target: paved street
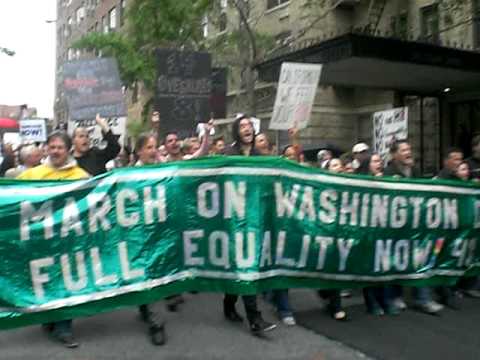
{"x": 198, "y": 331}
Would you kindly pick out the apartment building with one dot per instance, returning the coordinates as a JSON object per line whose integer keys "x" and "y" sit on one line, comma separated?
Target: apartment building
{"x": 76, "y": 18}
{"x": 377, "y": 54}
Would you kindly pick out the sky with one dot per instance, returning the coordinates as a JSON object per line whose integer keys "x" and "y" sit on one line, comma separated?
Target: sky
{"x": 29, "y": 76}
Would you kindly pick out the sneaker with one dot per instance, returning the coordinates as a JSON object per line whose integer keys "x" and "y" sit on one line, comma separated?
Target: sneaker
{"x": 260, "y": 326}
{"x": 66, "y": 339}
{"x": 376, "y": 311}
{"x": 399, "y": 304}
{"x": 430, "y": 307}
{"x": 392, "y": 310}
{"x": 289, "y": 320}
{"x": 472, "y": 293}
{"x": 157, "y": 335}
{"x": 232, "y": 315}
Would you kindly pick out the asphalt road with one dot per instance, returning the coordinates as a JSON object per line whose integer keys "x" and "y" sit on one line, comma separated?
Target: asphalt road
{"x": 197, "y": 331}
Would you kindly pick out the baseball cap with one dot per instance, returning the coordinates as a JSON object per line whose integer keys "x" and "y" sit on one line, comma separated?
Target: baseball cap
{"x": 360, "y": 147}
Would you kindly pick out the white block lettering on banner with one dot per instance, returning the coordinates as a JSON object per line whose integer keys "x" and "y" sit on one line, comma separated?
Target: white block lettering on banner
{"x": 296, "y": 91}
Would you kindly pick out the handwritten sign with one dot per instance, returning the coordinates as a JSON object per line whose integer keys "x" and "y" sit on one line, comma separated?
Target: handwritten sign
{"x": 93, "y": 87}
{"x": 295, "y": 95}
{"x": 116, "y": 124}
{"x": 33, "y": 130}
{"x": 184, "y": 87}
{"x": 388, "y": 126}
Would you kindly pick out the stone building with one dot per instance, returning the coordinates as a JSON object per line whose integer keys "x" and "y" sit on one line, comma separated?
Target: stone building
{"x": 377, "y": 54}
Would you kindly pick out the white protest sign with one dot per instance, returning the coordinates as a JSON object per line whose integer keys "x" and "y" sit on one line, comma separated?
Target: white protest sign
{"x": 33, "y": 130}
{"x": 116, "y": 124}
{"x": 388, "y": 126}
{"x": 295, "y": 95}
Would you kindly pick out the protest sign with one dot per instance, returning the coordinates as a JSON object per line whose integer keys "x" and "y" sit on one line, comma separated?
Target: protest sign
{"x": 388, "y": 126}
{"x": 93, "y": 87}
{"x": 33, "y": 130}
{"x": 118, "y": 125}
{"x": 242, "y": 225}
{"x": 183, "y": 89}
{"x": 296, "y": 91}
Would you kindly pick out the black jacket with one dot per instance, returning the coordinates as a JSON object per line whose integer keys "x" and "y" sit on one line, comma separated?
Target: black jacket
{"x": 235, "y": 149}
{"x": 447, "y": 174}
{"x": 94, "y": 160}
{"x": 393, "y": 169}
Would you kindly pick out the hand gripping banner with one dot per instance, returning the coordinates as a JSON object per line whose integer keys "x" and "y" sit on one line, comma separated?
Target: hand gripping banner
{"x": 238, "y": 225}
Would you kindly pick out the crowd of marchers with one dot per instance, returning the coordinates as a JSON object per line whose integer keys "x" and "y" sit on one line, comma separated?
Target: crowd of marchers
{"x": 65, "y": 157}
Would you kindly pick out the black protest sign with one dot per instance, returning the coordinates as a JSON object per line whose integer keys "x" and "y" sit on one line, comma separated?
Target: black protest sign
{"x": 93, "y": 87}
{"x": 218, "y": 98}
{"x": 183, "y": 89}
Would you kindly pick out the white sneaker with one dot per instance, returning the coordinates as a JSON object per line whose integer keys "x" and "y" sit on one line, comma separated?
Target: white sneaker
{"x": 289, "y": 321}
{"x": 399, "y": 304}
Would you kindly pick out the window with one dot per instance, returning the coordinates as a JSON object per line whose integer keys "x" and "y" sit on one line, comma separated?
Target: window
{"x": 430, "y": 25}
{"x": 223, "y": 4}
{"x": 205, "y": 26}
{"x": 104, "y": 25}
{"x": 80, "y": 14}
{"x": 400, "y": 26}
{"x": 476, "y": 24}
{"x": 123, "y": 8}
{"x": 274, "y": 3}
{"x": 222, "y": 25}
{"x": 112, "y": 18}
{"x": 70, "y": 54}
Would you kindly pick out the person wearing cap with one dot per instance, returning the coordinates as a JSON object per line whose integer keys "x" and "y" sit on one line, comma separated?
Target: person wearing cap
{"x": 361, "y": 157}
{"x": 323, "y": 158}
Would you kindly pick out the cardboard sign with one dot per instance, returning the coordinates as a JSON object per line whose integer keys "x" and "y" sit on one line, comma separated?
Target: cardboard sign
{"x": 33, "y": 130}
{"x": 295, "y": 96}
{"x": 93, "y": 87}
{"x": 388, "y": 126}
{"x": 117, "y": 125}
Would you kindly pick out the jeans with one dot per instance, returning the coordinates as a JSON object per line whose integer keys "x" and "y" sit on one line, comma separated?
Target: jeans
{"x": 376, "y": 297}
{"x": 421, "y": 295}
{"x": 280, "y": 300}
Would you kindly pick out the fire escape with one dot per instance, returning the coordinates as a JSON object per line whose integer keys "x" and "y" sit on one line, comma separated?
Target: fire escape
{"x": 375, "y": 11}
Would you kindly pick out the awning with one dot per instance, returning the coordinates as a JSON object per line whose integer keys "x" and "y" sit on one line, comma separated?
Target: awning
{"x": 7, "y": 123}
{"x": 384, "y": 63}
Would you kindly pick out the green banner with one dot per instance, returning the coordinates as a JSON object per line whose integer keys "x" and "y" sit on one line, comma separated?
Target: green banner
{"x": 240, "y": 225}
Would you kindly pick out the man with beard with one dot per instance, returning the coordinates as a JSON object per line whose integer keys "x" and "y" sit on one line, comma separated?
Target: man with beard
{"x": 244, "y": 136}
{"x": 93, "y": 159}
{"x": 402, "y": 166}
{"x": 59, "y": 165}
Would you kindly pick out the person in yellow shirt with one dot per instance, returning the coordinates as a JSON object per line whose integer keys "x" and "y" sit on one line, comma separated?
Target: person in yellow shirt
{"x": 59, "y": 165}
